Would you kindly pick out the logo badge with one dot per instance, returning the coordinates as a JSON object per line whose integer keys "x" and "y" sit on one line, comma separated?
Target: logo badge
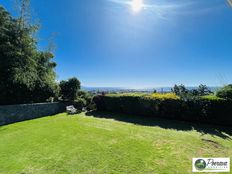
{"x": 200, "y": 164}
{"x": 211, "y": 164}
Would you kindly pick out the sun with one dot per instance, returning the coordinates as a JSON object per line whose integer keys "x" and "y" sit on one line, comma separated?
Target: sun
{"x": 137, "y": 5}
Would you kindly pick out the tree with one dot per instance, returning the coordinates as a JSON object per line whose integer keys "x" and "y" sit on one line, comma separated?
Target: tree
{"x": 180, "y": 90}
{"x": 69, "y": 89}
{"x": 194, "y": 92}
{"x": 45, "y": 85}
{"x": 26, "y": 74}
{"x": 203, "y": 90}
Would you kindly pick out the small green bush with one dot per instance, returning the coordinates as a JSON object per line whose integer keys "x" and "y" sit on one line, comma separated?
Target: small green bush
{"x": 79, "y": 103}
{"x": 225, "y": 92}
{"x": 211, "y": 97}
{"x": 86, "y": 96}
{"x": 91, "y": 107}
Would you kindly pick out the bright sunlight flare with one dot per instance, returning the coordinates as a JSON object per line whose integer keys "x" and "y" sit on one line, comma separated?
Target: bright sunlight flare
{"x": 137, "y": 5}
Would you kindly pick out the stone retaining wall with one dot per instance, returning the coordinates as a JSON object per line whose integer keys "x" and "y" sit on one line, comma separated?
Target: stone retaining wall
{"x": 15, "y": 113}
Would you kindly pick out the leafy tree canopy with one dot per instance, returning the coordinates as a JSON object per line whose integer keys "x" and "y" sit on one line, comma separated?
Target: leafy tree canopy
{"x": 183, "y": 92}
{"x": 69, "y": 89}
{"x": 26, "y": 73}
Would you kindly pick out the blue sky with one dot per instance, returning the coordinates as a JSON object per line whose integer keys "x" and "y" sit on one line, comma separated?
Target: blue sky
{"x": 106, "y": 44}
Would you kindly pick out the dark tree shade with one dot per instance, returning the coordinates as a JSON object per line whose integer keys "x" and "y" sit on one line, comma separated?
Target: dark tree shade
{"x": 69, "y": 89}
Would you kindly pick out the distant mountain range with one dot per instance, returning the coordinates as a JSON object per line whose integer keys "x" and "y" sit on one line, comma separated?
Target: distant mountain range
{"x": 120, "y": 89}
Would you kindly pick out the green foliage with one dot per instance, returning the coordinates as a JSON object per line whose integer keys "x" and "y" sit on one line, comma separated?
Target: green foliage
{"x": 127, "y": 94}
{"x": 207, "y": 109}
{"x": 85, "y": 95}
{"x": 69, "y": 89}
{"x": 180, "y": 90}
{"x": 88, "y": 97}
{"x": 45, "y": 83}
{"x": 165, "y": 96}
{"x": 225, "y": 92}
{"x": 211, "y": 97}
{"x": 203, "y": 90}
{"x": 185, "y": 94}
{"x": 26, "y": 74}
{"x": 80, "y": 103}
{"x": 140, "y": 104}
{"x": 91, "y": 107}
{"x": 82, "y": 94}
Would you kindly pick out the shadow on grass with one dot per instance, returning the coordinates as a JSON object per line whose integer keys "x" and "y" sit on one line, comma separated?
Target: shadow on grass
{"x": 2, "y": 128}
{"x": 214, "y": 130}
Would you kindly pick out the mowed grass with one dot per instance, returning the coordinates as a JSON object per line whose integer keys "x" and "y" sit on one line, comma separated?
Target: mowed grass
{"x": 92, "y": 145}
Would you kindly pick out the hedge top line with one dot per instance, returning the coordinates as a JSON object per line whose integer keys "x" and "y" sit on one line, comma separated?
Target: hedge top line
{"x": 159, "y": 96}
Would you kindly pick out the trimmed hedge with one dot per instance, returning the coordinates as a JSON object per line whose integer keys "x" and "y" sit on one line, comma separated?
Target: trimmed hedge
{"x": 205, "y": 109}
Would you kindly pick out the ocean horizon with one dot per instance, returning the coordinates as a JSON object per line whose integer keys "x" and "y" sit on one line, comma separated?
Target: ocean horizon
{"x": 125, "y": 89}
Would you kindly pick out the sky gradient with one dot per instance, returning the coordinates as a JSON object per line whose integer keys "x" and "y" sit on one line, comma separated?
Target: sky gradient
{"x": 105, "y": 44}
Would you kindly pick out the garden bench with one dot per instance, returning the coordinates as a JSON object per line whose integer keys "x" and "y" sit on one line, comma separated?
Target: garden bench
{"x": 71, "y": 109}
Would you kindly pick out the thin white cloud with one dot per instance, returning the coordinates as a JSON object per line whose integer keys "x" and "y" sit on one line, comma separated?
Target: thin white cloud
{"x": 121, "y": 1}
{"x": 155, "y": 5}
{"x": 165, "y": 9}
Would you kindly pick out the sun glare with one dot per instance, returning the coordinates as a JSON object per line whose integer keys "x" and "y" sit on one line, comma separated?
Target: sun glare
{"x": 137, "y": 5}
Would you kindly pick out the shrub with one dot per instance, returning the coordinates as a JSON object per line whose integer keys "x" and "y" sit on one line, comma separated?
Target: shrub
{"x": 225, "y": 92}
{"x": 86, "y": 96}
{"x": 79, "y": 103}
{"x": 142, "y": 104}
{"x": 165, "y": 96}
{"x": 207, "y": 109}
{"x": 211, "y": 97}
{"x": 91, "y": 107}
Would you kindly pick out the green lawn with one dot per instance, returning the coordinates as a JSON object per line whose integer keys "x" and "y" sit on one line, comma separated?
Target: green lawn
{"x": 92, "y": 145}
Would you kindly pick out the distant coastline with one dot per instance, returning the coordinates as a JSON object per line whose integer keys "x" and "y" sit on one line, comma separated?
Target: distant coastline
{"x": 121, "y": 89}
